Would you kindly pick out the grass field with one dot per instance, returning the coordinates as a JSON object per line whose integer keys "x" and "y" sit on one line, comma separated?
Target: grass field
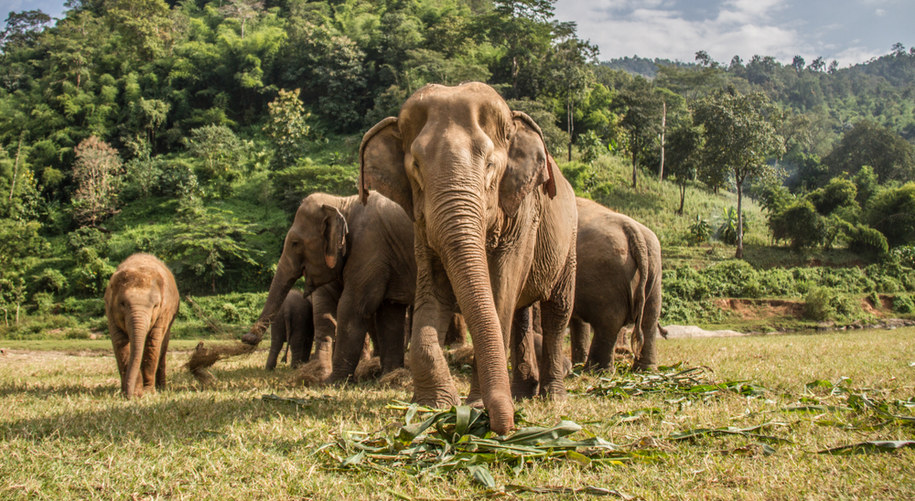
{"x": 65, "y": 432}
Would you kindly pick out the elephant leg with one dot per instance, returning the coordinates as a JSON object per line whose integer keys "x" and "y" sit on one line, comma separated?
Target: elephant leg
{"x": 555, "y": 314}
{"x": 580, "y": 332}
{"x": 525, "y": 372}
{"x": 324, "y": 308}
{"x": 352, "y": 325}
{"x": 606, "y": 332}
{"x": 457, "y": 331}
{"x": 432, "y": 383}
{"x": 308, "y": 330}
{"x": 647, "y": 356}
{"x": 277, "y": 340}
{"x": 160, "y": 370}
{"x": 432, "y": 310}
{"x": 151, "y": 353}
{"x": 389, "y": 325}
{"x": 121, "y": 344}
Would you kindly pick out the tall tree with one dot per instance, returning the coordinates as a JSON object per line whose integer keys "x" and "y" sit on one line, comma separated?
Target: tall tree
{"x": 570, "y": 66}
{"x": 867, "y": 143}
{"x": 97, "y": 173}
{"x": 739, "y": 140}
{"x": 683, "y": 147}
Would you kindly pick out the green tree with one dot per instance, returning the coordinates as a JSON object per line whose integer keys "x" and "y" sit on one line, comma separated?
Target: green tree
{"x": 221, "y": 151}
{"x": 287, "y": 127}
{"x": 867, "y": 143}
{"x": 641, "y": 108}
{"x": 569, "y": 66}
{"x": 892, "y": 212}
{"x": 739, "y": 140}
{"x": 684, "y": 147}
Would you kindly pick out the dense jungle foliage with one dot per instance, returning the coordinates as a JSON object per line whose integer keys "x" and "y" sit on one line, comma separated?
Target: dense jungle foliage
{"x": 191, "y": 129}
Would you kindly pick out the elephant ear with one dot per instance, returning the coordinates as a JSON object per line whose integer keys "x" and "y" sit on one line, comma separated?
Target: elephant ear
{"x": 381, "y": 158}
{"x": 529, "y": 165}
{"x": 334, "y": 230}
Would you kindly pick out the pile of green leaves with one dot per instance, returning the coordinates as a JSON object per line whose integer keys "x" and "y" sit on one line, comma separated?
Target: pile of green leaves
{"x": 460, "y": 439}
{"x": 675, "y": 381}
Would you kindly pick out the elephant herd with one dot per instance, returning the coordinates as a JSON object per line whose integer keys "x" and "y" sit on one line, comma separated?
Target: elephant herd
{"x": 461, "y": 210}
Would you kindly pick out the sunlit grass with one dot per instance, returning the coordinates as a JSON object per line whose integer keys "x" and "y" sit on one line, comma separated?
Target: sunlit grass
{"x": 65, "y": 432}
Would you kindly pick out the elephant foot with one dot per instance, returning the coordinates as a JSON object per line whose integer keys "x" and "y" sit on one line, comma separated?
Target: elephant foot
{"x": 314, "y": 373}
{"x": 555, "y": 391}
{"x": 441, "y": 399}
{"x": 639, "y": 366}
{"x": 525, "y": 388}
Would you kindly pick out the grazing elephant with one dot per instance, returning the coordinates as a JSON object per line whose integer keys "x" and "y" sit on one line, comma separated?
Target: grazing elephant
{"x": 293, "y": 327}
{"x": 618, "y": 282}
{"x": 358, "y": 261}
{"x": 141, "y": 301}
{"x": 494, "y": 228}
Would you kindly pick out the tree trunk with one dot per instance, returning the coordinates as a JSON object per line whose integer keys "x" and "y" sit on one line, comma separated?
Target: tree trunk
{"x": 634, "y": 165}
{"x": 16, "y": 170}
{"x": 682, "y": 198}
{"x": 663, "y": 128}
{"x": 739, "y": 253}
{"x": 570, "y": 116}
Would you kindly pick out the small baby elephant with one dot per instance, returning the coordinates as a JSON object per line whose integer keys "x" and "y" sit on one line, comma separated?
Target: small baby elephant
{"x": 293, "y": 326}
{"x": 141, "y": 302}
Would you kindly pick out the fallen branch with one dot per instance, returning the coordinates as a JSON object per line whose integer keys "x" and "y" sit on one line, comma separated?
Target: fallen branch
{"x": 203, "y": 358}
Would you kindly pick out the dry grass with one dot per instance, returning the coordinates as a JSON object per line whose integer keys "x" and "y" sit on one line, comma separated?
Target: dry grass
{"x": 66, "y": 433}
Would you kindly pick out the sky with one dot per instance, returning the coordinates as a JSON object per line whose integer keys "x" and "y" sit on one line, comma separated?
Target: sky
{"x": 849, "y": 31}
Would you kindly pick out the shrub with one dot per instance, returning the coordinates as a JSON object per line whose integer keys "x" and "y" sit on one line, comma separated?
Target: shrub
{"x": 87, "y": 237}
{"x": 818, "y": 304}
{"x": 700, "y": 231}
{"x": 800, "y": 224}
{"x": 50, "y": 280}
{"x": 892, "y": 212}
{"x": 903, "y": 303}
{"x": 294, "y": 183}
{"x": 866, "y": 240}
{"x": 91, "y": 273}
{"x": 44, "y": 302}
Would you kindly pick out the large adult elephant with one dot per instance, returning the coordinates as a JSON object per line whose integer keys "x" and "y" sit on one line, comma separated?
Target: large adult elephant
{"x": 618, "y": 282}
{"x": 494, "y": 224}
{"x": 358, "y": 257}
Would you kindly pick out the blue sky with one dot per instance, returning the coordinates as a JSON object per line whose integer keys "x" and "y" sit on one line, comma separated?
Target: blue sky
{"x": 845, "y": 30}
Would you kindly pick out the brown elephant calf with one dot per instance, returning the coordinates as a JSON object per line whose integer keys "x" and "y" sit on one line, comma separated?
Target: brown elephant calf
{"x": 141, "y": 301}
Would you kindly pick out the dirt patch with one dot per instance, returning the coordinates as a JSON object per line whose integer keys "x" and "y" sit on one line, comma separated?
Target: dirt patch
{"x": 749, "y": 309}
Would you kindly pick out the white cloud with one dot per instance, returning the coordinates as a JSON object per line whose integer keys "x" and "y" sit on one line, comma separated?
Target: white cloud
{"x": 738, "y": 27}
{"x": 880, "y": 12}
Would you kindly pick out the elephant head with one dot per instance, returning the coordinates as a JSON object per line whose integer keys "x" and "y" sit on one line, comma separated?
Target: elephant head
{"x": 460, "y": 163}
{"x": 314, "y": 247}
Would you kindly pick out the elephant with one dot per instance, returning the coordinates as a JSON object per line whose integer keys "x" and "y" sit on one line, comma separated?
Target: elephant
{"x": 618, "y": 282}
{"x": 494, "y": 226}
{"x": 141, "y": 302}
{"x": 357, "y": 260}
{"x": 294, "y": 328}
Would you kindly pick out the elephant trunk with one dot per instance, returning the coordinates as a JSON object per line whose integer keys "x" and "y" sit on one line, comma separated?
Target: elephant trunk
{"x": 283, "y": 280}
{"x": 139, "y": 329}
{"x": 463, "y": 253}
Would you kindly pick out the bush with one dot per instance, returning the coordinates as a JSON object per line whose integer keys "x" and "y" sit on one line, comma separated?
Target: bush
{"x": 903, "y": 303}
{"x": 87, "y": 237}
{"x": 800, "y": 224}
{"x": 904, "y": 255}
{"x": 700, "y": 231}
{"x": 50, "y": 280}
{"x": 892, "y": 212}
{"x": 91, "y": 273}
{"x": 294, "y": 183}
{"x": 866, "y": 240}
{"x": 818, "y": 304}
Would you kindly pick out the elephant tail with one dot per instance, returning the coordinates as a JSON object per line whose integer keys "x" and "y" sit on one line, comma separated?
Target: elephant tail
{"x": 638, "y": 249}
